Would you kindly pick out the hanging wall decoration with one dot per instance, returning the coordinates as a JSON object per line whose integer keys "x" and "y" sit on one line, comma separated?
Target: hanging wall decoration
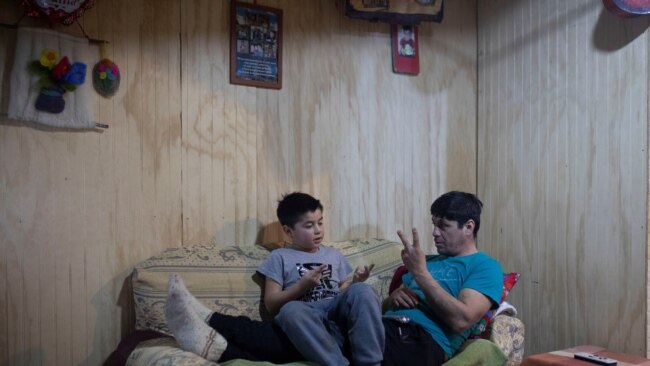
{"x": 628, "y": 8}
{"x": 56, "y": 76}
{"x": 47, "y": 81}
{"x": 396, "y": 11}
{"x": 106, "y": 74}
{"x": 404, "y": 41}
{"x": 57, "y": 11}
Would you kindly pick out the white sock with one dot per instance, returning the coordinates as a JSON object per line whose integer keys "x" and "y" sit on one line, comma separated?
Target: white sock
{"x": 190, "y": 331}
{"x": 201, "y": 310}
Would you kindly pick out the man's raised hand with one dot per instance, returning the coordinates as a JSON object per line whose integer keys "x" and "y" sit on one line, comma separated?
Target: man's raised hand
{"x": 412, "y": 255}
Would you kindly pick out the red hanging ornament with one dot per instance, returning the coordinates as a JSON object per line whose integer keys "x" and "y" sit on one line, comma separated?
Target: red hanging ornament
{"x": 57, "y": 11}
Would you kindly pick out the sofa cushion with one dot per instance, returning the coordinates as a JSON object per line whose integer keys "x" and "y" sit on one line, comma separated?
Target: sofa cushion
{"x": 220, "y": 278}
{"x": 481, "y": 327}
{"x": 385, "y": 254}
{"x": 223, "y": 278}
{"x": 165, "y": 350}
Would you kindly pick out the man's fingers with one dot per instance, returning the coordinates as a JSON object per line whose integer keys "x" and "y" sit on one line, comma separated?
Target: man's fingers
{"x": 416, "y": 238}
{"x": 405, "y": 299}
{"x": 403, "y": 238}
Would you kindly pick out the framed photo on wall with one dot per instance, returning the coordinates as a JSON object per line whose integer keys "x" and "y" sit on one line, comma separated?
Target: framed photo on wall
{"x": 255, "y": 45}
{"x": 404, "y": 41}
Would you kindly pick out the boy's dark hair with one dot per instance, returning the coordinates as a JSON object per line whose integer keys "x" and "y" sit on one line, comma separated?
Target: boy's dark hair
{"x": 460, "y": 207}
{"x": 293, "y": 205}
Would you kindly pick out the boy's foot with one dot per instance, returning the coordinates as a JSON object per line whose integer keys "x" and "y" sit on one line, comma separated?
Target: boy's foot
{"x": 191, "y": 333}
{"x": 201, "y": 310}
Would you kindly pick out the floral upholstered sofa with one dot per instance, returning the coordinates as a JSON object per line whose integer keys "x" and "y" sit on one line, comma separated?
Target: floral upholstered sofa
{"x": 224, "y": 279}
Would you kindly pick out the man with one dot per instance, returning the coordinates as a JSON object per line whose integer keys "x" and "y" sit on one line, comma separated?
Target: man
{"x": 442, "y": 296}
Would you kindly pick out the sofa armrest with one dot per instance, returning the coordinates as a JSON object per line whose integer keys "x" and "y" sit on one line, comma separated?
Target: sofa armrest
{"x": 507, "y": 332}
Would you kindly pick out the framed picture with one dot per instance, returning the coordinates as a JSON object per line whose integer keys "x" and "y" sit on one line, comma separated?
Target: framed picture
{"x": 404, "y": 41}
{"x": 255, "y": 45}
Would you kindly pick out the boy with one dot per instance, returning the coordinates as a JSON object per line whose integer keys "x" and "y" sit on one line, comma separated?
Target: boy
{"x": 305, "y": 281}
{"x": 325, "y": 320}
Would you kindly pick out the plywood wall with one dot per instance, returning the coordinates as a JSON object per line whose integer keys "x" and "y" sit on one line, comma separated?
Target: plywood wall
{"x": 562, "y": 168}
{"x": 79, "y": 208}
{"x": 189, "y": 158}
{"x": 373, "y": 144}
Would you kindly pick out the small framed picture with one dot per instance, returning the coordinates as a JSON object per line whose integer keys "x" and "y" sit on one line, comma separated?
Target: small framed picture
{"x": 404, "y": 40}
{"x": 255, "y": 45}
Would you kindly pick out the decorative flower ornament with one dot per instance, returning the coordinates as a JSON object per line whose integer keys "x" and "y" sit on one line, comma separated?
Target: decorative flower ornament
{"x": 56, "y": 76}
{"x": 49, "y": 57}
{"x": 106, "y": 74}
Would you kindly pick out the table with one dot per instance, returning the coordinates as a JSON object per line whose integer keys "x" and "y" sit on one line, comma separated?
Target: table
{"x": 565, "y": 358}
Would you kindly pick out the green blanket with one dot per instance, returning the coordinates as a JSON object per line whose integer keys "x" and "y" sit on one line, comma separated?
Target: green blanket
{"x": 240, "y": 362}
{"x": 480, "y": 352}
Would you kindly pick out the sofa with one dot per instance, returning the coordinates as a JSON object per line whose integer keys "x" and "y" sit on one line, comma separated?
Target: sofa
{"x": 224, "y": 279}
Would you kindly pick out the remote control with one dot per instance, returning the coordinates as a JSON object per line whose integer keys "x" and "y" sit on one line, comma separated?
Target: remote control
{"x": 594, "y": 358}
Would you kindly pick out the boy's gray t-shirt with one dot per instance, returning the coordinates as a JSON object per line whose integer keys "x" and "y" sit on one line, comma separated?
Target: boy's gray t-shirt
{"x": 286, "y": 266}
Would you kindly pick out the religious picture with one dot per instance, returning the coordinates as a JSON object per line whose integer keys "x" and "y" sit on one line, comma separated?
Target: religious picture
{"x": 406, "y": 41}
{"x": 405, "y": 49}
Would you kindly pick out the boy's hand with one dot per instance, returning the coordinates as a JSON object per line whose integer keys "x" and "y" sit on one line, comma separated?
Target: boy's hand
{"x": 362, "y": 273}
{"x": 312, "y": 278}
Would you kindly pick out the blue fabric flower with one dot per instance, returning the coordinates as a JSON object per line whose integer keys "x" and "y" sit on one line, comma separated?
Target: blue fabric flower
{"x": 76, "y": 75}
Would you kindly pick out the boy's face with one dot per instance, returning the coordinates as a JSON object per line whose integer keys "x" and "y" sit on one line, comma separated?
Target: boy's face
{"x": 307, "y": 233}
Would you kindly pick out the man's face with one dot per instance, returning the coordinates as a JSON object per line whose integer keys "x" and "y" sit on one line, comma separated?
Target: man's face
{"x": 450, "y": 239}
{"x": 307, "y": 234}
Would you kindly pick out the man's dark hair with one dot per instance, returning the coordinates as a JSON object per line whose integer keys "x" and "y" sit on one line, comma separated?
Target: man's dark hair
{"x": 293, "y": 205}
{"x": 458, "y": 206}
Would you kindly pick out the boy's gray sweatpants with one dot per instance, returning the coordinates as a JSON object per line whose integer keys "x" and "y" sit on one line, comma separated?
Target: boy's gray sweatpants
{"x": 319, "y": 329}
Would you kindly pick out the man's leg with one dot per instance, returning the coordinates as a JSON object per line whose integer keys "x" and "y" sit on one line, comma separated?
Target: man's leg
{"x": 358, "y": 312}
{"x": 410, "y": 344}
{"x": 253, "y": 340}
{"x": 316, "y": 337}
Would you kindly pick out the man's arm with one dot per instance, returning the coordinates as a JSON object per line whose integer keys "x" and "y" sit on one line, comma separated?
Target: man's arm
{"x": 457, "y": 313}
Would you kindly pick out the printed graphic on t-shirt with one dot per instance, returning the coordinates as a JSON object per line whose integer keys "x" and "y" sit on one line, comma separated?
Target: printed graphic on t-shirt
{"x": 446, "y": 273}
{"x": 325, "y": 289}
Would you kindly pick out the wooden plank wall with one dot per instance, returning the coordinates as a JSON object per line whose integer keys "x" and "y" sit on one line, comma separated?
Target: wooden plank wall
{"x": 189, "y": 158}
{"x": 79, "y": 208}
{"x": 343, "y": 126}
{"x": 562, "y": 167}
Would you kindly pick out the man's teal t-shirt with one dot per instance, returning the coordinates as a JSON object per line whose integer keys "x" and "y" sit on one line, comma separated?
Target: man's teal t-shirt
{"x": 476, "y": 271}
